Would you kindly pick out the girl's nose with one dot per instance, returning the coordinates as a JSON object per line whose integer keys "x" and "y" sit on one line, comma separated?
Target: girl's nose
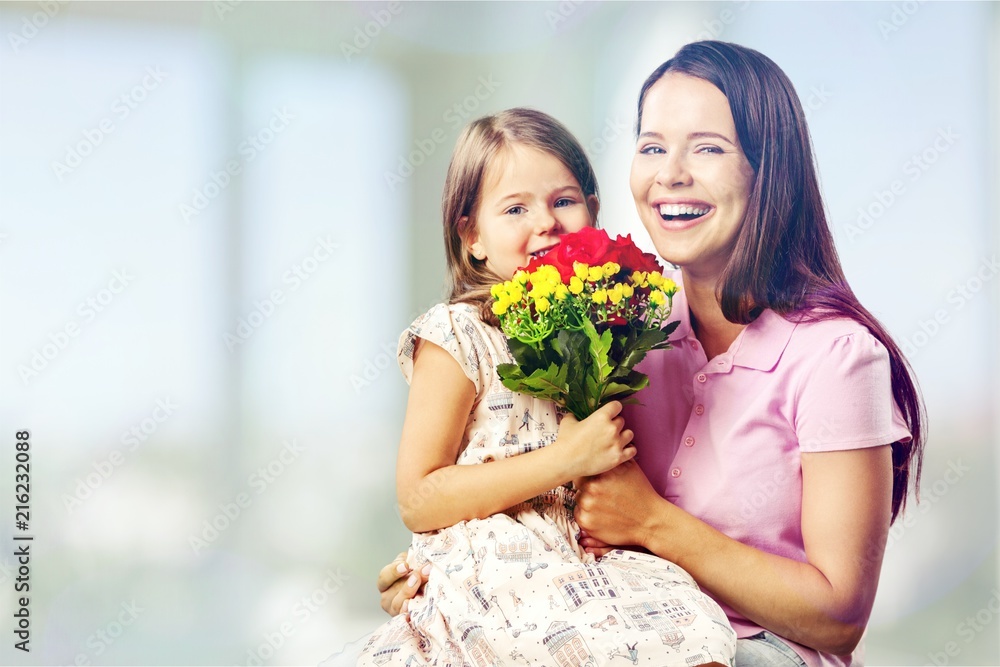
{"x": 546, "y": 222}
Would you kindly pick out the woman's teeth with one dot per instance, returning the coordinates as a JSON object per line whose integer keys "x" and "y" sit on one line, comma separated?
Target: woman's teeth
{"x": 671, "y": 211}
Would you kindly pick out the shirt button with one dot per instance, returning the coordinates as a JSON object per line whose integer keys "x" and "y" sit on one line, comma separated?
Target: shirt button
{"x": 699, "y": 409}
{"x": 676, "y": 472}
{"x": 689, "y": 441}
{"x": 701, "y": 377}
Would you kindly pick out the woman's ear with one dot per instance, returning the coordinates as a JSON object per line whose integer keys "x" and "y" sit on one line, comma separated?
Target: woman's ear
{"x": 594, "y": 205}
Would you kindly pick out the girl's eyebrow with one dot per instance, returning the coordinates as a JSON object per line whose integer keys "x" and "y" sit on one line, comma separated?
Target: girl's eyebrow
{"x": 525, "y": 195}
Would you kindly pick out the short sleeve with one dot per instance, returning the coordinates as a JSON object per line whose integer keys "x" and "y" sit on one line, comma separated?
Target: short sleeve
{"x": 457, "y": 330}
{"x": 846, "y": 401}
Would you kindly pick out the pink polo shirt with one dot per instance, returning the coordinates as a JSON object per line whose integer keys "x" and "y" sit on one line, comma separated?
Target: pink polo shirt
{"x": 721, "y": 438}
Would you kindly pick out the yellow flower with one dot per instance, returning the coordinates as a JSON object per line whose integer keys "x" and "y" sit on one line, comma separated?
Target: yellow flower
{"x": 669, "y": 286}
{"x": 615, "y": 293}
{"x": 657, "y": 297}
{"x": 541, "y": 305}
{"x": 655, "y": 279}
{"x": 600, "y": 296}
{"x": 497, "y": 289}
{"x": 501, "y": 306}
{"x": 595, "y": 273}
{"x": 576, "y": 284}
{"x": 639, "y": 278}
{"x": 562, "y": 291}
{"x": 581, "y": 270}
{"x": 521, "y": 277}
{"x": 515, "y": 292}
{"x": 627, "y": 290}
{"x": 611, "y": 269}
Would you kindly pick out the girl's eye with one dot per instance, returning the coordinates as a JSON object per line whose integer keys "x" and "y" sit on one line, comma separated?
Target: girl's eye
{"x": 564, "y": 201}
{"x": 652, "y": 150}
{"x": 515, "y": 210}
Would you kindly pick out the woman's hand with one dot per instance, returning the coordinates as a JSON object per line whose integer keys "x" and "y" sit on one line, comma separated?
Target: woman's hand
{"x": 594, "y": 546}
{"x": 398, "y": 584}
{"x": 617, "y": 507}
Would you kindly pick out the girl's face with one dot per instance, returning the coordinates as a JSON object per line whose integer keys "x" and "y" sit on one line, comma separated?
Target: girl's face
{"x": 690, "y": 179}
{"x": 529, "y": 200}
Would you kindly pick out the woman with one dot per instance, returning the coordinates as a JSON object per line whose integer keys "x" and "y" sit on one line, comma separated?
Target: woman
{"x": 778, "y": 447}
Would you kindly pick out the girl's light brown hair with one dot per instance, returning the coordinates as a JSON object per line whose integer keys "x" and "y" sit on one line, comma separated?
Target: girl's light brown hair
{"x": 482, "y": 145}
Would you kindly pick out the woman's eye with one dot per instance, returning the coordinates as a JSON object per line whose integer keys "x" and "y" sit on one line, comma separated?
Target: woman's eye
{"x": 713, "y": 150}
{"x": 651, "y": 150}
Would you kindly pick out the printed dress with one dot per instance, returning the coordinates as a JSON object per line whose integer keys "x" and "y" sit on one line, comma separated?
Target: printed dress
{"x": 516, "y": 588}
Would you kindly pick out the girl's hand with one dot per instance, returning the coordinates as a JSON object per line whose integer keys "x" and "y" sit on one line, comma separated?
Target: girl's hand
{"x": 598, "y": 443}
{"x": 617, "y": 507}
{"x": 398, "y": 584}
{"x": 594, "y": 546}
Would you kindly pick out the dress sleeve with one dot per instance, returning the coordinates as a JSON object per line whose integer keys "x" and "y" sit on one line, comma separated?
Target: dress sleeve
{"x": 457, "y": 331}
{"x": 846, "y": 402}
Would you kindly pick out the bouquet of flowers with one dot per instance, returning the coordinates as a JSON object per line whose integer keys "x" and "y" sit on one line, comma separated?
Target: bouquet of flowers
{"x": 580, "y": 317}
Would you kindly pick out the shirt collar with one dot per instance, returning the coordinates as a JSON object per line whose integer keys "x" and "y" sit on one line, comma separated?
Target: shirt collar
{"x": 759, "y": 346}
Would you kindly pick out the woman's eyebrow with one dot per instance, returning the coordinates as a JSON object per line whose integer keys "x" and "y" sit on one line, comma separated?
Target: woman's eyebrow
{"x": 693, "y": 135}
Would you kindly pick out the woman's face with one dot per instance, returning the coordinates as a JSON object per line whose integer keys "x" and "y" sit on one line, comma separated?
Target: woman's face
{"x": 690, "y": 179}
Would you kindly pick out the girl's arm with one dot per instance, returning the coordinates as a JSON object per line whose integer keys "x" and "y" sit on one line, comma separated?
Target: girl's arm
{"x": 433, "y": 492}
{"x": 823, "y": 603}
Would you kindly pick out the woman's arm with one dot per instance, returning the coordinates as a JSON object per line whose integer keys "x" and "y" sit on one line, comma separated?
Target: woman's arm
{"x": 823, "y": 603}
{"x": 434, "y": 492}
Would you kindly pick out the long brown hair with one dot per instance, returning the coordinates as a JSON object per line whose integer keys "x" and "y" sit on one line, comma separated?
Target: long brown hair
{"x": 784, "y": 256}
{"x": 482, "y": 144}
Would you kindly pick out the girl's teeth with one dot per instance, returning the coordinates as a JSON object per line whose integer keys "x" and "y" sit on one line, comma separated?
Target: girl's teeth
{"x": 676, "y": 209}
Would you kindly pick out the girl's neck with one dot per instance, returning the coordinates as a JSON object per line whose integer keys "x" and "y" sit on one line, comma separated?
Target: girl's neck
{"x": 708, "y": 324}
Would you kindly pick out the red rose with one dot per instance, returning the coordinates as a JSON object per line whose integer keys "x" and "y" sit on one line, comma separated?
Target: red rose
{"x": 631, "y": 258}
{"x": 590, "y": 246}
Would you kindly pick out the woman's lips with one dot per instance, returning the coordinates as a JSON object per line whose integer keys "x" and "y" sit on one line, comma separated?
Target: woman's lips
{"x": 678, "y": 217}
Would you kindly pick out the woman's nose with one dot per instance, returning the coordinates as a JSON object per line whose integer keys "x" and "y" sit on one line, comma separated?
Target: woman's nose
{"x": 673, "y": 171}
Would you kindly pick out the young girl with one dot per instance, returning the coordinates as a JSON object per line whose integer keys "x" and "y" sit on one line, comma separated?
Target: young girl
{"x": 509, "y": 582}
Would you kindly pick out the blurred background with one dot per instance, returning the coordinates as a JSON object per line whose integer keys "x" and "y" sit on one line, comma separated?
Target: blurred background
{"x": 216, "y": 218}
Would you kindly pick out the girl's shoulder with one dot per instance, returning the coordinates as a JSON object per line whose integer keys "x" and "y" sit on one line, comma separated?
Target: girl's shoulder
{"x": 456, "y": 328}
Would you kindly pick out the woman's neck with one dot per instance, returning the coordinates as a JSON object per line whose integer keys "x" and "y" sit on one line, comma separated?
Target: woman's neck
{"x": 709, "y": 325}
